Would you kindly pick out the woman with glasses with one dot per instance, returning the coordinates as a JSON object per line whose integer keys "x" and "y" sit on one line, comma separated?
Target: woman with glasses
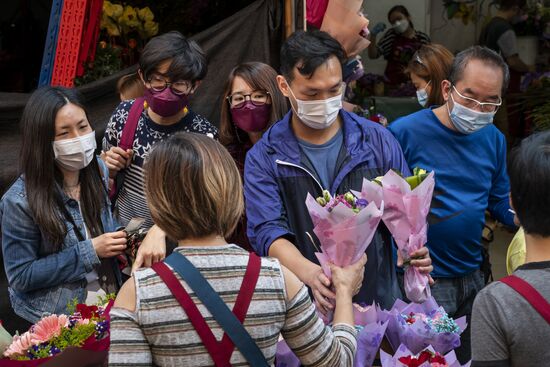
{"x": 429, "y": 67}
{"x": 251, "y": 103}
{"x": 171, "y": 68}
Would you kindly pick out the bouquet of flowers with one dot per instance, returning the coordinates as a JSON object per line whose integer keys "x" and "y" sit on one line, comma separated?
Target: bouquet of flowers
{"x": 344, "y": 226}
{"x": 418, "y": 326}
{"x": 86, "y": 328}
{"x": 407, "y": 202}
{"x": 427, "y": 358}
{"x": 371, "y": 333}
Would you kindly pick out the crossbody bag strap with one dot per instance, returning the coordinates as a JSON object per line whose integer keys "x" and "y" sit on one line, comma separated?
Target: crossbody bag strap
{"x": 193, "y": 313}
{"x": 244, "y": 298}
{"x": 530, "y": 294}
{"x": 219, "y": 310}
{"x": 127, "y": 142}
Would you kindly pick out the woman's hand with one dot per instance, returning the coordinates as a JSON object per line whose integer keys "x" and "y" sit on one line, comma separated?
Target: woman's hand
{"x": 348, "y": 280}
{"x": 151, "y": 250}
{"x": 117, "y": 159}
{"x": 110, "y": 244}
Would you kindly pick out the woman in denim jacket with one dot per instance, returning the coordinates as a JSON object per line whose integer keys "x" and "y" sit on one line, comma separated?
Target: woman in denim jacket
{"x": 57, "y": 228}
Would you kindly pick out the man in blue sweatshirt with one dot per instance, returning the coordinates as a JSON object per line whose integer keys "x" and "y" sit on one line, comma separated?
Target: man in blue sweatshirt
{"x": 317, "y": 146}
{"x": 468, "y": 154}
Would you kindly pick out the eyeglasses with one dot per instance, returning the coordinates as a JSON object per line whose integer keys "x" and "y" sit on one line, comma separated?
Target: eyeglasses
{"x": 158, "y": 84}
{"x": 257, "y": 97}
{"x": 474, "y": 104}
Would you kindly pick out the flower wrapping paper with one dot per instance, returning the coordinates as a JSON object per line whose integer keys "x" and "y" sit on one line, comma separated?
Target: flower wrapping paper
{"x": 370, "y": 336}
{"x": 344, "y": 235}
{"x": 405, "y": 214}
{"x": 393, "y": 361}
{"x": 419, "y": 335}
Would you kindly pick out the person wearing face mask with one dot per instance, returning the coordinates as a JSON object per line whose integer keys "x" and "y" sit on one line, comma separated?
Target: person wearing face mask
{"x": 468, "y": 154}
{"x": 316, "y": 146}
{"x": 58, "y": 234}
{"x": 397, "y": 45}
{"x": 499, "y": 35}
{"x": 251, "y": 103}
{"x": 171, "y": 68}
{"x": 429, "y": 66}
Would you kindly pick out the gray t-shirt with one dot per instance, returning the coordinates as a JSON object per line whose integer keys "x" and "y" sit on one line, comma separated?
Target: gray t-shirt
{"x": 324, "y": 157}
{"x": 506, "y": 329}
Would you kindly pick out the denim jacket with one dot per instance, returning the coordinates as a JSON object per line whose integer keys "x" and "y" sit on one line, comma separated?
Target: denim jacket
{"x": 42, "y": 283}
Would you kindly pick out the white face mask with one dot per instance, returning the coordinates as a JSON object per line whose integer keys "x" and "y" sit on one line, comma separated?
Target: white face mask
{"x": 75, "y": 154}
{"x": 422, "y": 95}
{"x": 468, "y": 121}
{"x": 401, "y": 26}
{"x": 318, "y": 114}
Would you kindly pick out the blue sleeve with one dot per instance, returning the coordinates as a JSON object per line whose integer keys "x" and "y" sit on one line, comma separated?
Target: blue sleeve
{"x": 26, "y": 268}
{"x": 499, "y": 202}
{"x": 264, "y": 209}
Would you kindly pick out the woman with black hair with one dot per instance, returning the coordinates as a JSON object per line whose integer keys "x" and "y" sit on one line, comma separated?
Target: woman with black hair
{"x": 58, "y": 238}
{"x": 398, "y": 44}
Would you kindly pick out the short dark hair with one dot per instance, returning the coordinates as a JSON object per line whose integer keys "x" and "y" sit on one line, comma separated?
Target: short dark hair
{"x": 509, "y": 4}
{"x": 307, "y": 51}
{"x": 529, "y": 171}
{"x": 484, "y": 54}
{"x": 188, "y": 59}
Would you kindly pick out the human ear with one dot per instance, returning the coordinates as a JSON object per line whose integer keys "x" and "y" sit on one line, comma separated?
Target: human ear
{"x": 283, "y": 85}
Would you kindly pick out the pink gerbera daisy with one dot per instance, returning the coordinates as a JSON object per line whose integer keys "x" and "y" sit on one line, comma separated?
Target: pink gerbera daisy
{"x": 49, "y": 327}
{"x": 19, "y": 345}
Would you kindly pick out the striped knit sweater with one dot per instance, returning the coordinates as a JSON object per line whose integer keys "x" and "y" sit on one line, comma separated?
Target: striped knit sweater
{"x": 159, "y": 332}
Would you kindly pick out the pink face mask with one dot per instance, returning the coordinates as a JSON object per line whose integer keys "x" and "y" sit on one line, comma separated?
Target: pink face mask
{"x": 251, "y": 118}
{"x": 165, "y": 103}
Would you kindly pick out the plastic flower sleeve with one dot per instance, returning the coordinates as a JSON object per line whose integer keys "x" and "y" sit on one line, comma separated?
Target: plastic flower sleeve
{"x": 405, "y": 216}
{"x": 388, "y": 360}
{"x": 344, "y": 235}
{"x": 370, "y": 334}
{"x": 430, "y": 326}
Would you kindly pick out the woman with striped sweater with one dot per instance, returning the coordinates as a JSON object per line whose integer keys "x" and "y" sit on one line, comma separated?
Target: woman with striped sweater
{"x": 194, "y": 192}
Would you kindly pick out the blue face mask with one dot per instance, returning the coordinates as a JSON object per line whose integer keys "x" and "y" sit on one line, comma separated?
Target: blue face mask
{"x": 422, "y": 95}
{"x": 468, "y": 121}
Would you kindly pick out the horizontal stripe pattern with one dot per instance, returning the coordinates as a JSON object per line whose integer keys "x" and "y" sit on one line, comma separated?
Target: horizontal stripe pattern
{"x": 160, "y": 333}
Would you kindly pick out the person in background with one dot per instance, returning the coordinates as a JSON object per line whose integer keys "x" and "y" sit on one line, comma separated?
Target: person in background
{"x": 171, "y": 68}
{"x": 200, "y": 206}
{"x": 511, "y": 324}
{"x": 58, "y": 234}
{"x": 499, "y": 35}
{"x": 251, "y": 103}
{"x": 468, "y": 154}
{"x": 397, "y": 45}
{"x": 316, "y": 146}
{"x": 429, "y": 67}
{"x": 130, "y": 87}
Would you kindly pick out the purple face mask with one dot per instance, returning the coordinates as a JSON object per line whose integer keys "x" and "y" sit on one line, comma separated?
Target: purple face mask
{"x": 165, "y": 103}
{"x": 251, "y": 118}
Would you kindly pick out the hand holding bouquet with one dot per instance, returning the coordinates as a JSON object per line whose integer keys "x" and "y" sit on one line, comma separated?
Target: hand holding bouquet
{"x": 427, "y": 358}
{"x": 407, "y": 205}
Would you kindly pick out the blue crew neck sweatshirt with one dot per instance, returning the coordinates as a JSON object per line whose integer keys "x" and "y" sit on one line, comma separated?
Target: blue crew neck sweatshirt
{"x": 470, "y": 177}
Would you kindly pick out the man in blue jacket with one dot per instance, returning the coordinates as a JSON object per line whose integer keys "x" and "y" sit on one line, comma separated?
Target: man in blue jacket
{"x": 317, "y": 146}
{"x": 468, "y": 154}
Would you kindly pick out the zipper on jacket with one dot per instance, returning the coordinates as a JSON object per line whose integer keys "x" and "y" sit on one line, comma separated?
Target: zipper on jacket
{"x": 278, "y": 161}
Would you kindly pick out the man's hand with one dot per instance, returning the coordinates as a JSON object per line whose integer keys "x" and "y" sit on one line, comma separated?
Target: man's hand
{"x": 420, "y": 259}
